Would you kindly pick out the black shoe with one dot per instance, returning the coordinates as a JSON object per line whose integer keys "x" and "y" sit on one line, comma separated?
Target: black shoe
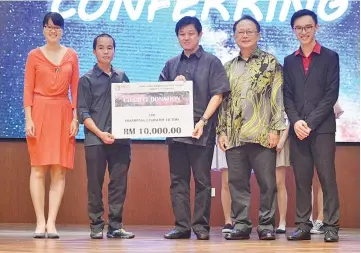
{"x": 96, "y": 234}
{"x": 175, "y": 234}
{"x": 227, "y": 228}
{"x": 331, "y": 236}
{"x": 237, "y": 234}
{"x": 120, "y": 233}
{"x": 280, "y": 231}
{"x": 39, "y": 235}
{"x": 299, "y": 235}
{"x": 202, "y": 235}
{"x": 53, "y": 236}
{"x": 266, "y": 234}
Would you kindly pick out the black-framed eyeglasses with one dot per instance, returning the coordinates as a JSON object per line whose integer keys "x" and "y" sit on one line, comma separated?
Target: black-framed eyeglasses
{"x": 52, "y": 28}
{"x": 300, "y": 29}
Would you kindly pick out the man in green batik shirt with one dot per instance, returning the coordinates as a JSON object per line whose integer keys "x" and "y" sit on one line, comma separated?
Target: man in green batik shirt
{"x": 250, "y": 121}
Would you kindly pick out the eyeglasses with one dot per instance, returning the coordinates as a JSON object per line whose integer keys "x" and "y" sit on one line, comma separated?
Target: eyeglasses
{"x": 247, "y": 33}
{"x": 307, "y": 28}
{"x": 52, "y": 28}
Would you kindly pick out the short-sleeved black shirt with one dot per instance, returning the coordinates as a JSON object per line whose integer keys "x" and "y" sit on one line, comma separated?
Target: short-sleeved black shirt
{"x": 209, "y": 79}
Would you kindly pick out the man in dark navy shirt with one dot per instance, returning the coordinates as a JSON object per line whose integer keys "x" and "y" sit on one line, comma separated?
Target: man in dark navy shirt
{"x": 196, "y": 152}
{"x": 94, "y": 109}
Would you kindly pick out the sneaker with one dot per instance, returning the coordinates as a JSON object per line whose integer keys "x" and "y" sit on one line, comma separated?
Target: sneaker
{"x": 317, "y": 227}
{"x": 120, "y": 233}
{"x": 96, "y": 234}
{"x": 227, "y": 228}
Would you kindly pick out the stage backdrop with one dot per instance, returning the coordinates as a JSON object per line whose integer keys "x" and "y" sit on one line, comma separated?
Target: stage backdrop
{"x": 145, "y": 37}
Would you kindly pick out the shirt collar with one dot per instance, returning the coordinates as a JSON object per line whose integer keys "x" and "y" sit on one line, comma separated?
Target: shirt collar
{"x": 255, "y": 54}
{"x": 198, "y": 53}
{"x": 316, "y": 49}
{"x": 98, "y": 71}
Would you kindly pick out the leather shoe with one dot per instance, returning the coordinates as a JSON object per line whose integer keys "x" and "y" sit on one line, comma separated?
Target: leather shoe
{"x": 266, "y": 234}
{"x": 299, "y": 235}
{"x": 175, "y": 234}
{"x": 331, "y": 236}
{"x": 237, "y": 234}
{"x": 202, "y": 235}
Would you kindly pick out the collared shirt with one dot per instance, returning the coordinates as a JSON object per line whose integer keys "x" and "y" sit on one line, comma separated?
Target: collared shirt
{"x": 254, "y": 107}
{"x": 209, "y": 79}
{"x": 94, "y": 101}
{"x": 306, "y": 60}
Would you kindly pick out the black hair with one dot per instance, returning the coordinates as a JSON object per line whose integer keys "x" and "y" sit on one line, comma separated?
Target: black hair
{"x": 247, "y": 17}
{"x": 55, "y": 17}
{"x": 100, "y": 36}
{"x": 302, "y": 13}
{"x": 187, "y": 20}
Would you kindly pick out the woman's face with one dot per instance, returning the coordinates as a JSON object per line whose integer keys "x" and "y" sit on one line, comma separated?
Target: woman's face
{"x": 52, "y": 33}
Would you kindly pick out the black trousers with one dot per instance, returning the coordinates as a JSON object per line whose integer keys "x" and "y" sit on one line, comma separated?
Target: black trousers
{"x": 183, "y": 157}
{"x": 318, "y": 150}
{"x": 117, "y": 156}
{"x": 240, "y": 162}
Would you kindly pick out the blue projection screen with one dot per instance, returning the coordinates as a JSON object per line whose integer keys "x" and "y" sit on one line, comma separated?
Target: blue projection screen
{"x": 145, "y": 37}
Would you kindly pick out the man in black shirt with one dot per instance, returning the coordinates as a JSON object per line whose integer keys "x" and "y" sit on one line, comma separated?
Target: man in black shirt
{"x": 94, "y": 108}
{"x": 196, "y": 152}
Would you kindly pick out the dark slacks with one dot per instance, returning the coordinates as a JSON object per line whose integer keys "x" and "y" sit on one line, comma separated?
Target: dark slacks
{"x": 183, "y": 157}
{"x": 240, "y": 162}
{"x": 117, "y": 156}
{"x": 318, "y": 150}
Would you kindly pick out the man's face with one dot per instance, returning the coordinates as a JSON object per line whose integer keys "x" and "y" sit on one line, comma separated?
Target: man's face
{"x": 189, "y": 37}
{"x": 104, "y": 50}
{"x": 305, "y": 29}
{"x": 246, "y": 34}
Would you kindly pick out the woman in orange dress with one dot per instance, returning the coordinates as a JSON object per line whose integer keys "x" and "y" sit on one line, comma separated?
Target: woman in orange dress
{"x": 51, "y": 119}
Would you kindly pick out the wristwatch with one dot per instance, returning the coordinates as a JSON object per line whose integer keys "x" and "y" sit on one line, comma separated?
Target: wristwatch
{"x": 204, "y": 120}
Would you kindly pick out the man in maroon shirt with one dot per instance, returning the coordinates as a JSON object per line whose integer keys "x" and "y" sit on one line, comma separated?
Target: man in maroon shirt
{"x": 311, "y": 86}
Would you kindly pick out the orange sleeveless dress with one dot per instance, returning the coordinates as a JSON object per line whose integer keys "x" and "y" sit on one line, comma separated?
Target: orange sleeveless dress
{"x": 46, "y": 89}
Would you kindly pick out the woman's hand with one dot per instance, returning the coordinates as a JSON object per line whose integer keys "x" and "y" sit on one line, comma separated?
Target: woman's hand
{"x": 74, "y": 128}
{"x": 30, "y": 128}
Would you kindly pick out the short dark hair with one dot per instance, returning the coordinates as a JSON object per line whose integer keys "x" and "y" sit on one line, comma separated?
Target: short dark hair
{"x": 187, "y": 20}
{"x": 247, "y": 17}
{"x": 100, "y": 36}
{"x": 302, "y": 13}
{"x": 55, "y": 17}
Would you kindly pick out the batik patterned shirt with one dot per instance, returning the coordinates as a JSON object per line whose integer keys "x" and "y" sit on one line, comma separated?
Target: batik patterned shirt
{"x": 254, "y": 107}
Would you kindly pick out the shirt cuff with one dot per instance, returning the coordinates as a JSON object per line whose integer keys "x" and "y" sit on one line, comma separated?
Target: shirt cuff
{"x": 221, "y": 133}
{"x": 277, "y": 132}
{"x": 84, "y": 116}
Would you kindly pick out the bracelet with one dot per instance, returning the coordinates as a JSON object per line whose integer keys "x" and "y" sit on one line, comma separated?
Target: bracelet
{"x": 204, "y": 120}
